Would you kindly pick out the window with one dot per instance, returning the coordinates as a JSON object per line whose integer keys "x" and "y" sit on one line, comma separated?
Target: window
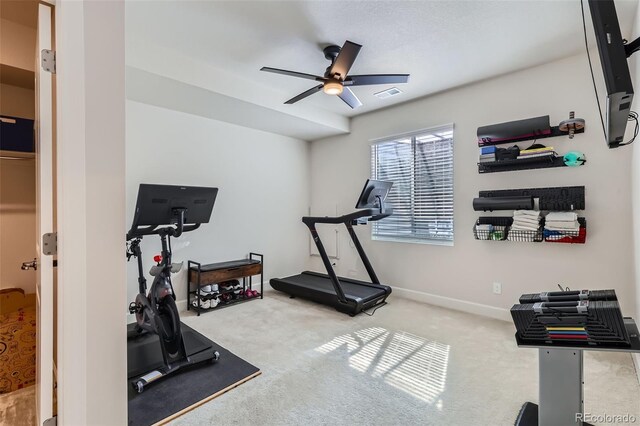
{"x": 420, "y": 165}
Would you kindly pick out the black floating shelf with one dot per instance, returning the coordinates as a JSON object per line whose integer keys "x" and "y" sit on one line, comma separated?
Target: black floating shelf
{"x": 522, "y": 164}
{"x": 555, "y": 131}
{"x": 561, "y": 198}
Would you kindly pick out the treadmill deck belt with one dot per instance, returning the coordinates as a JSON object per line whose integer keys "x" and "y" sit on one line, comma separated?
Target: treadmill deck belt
{"x": 353, "y": 289}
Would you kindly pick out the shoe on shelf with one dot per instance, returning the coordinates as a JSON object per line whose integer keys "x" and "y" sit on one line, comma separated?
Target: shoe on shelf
{"x": 214, "y": 302}
{"x": 204, "y": 304}
{"x": 205, "y": 289}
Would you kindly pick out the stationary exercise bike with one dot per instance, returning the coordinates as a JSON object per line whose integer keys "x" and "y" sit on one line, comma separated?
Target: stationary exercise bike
{"x": 163, "y": 210}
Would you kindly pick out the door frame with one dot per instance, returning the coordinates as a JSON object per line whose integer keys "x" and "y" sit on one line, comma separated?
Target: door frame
{"x": 45, "y": 143}
{"x": 91, "y": 198}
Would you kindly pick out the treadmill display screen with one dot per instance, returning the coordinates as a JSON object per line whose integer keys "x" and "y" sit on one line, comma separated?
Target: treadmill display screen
{"x": 373, "y": 193}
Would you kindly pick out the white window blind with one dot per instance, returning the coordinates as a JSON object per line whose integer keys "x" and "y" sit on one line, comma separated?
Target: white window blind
{"x": 420, "y": 165}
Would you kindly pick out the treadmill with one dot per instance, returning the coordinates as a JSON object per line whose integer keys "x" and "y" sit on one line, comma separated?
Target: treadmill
{"x": 347, "y": 295}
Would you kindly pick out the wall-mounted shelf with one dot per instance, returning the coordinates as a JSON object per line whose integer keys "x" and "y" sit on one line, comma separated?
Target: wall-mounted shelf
{"x": 523, "y": 164}
{"x": 561, "y": 198}
{"x": 529, "y": 129}
{"x": 555, "y": 131}
{"x": 553, "y": 199}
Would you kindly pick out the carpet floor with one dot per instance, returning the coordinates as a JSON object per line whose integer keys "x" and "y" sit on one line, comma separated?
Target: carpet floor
{"x": 18, "y": 408}
{"x": 17, "y": 349}
{"x": 410, "y": 363}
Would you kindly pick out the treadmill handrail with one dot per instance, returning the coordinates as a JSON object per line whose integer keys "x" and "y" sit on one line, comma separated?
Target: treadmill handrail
{"x": 348, "y": 220}
{"x": 374, "y": 214}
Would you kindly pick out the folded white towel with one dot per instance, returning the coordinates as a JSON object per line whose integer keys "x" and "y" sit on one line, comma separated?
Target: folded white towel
{"x": 562, "y": 217}
{"x": 533, "y": 213}
{"x": 553, "y": 228}
{"x": 518, "y": 227}
{"x": 556, "y": 226}
{"x": 526, "y": 220}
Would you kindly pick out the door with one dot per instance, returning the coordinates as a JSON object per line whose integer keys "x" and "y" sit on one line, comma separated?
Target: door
{"x": 44, "y": 219}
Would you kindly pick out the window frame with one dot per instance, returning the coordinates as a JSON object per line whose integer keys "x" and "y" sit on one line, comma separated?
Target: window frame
{"x": 373, "y": 164}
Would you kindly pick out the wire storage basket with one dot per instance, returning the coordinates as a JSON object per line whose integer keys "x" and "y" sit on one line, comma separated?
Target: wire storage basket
{"x": 492, "y": 228}
{"x": 568, "y": 237}
{"x": 527, "y": 236}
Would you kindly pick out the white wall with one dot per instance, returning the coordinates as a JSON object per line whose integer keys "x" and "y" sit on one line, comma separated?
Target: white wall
{"x": 466, "y": 271}
{"x": 263, "y": 183}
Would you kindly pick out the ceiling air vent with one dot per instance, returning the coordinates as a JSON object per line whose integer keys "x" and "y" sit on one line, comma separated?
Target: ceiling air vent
{"x": 388, "y": 93}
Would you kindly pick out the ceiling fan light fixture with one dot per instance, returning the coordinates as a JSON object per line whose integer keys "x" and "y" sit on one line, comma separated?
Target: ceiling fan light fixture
{"x": 336, "y": 76}
{"x": 333, "y": 88}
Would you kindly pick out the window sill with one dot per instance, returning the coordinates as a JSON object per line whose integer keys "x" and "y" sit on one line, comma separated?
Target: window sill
{"x": 413, "y": 241}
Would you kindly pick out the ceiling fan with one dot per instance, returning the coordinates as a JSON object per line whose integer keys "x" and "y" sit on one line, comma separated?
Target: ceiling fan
{"x": 335, "y": 80}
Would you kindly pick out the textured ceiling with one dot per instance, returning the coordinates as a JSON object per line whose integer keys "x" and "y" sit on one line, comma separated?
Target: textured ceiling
{"x": 442, "y": 44}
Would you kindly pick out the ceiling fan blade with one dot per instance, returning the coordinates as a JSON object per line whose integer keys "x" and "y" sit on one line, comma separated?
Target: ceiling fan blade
{"x": 345, "y": 59}
{"x": 293, "y": 73}
{"x": 305, "y": 94}
{"x": 350, "y": 98}
{"x": 365, "y": 80}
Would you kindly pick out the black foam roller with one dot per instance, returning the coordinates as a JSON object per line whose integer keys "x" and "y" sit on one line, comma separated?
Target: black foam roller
{"x": 503, "y": 203}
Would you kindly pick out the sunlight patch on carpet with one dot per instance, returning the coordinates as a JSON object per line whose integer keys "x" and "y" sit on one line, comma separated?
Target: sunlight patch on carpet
{"x": 403, "y": 360}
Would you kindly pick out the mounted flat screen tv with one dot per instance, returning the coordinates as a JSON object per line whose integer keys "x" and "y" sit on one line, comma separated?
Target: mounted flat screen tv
{"x": 613, "y": 56}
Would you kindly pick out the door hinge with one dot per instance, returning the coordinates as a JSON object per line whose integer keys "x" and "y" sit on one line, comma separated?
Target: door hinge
{"x": 53, "y": 421}
{"x": 50, "y": 243}
{"x": 48, "y": 60}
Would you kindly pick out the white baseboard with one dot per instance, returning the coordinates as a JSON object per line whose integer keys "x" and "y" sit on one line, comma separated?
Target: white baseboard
{"x": 455, "y": 304}
{"x": 432, "y": 299}
{"x": 181, "y": 305}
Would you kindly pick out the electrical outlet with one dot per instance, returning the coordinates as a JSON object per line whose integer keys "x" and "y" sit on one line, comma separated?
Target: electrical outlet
{"x": 497, "y": 288}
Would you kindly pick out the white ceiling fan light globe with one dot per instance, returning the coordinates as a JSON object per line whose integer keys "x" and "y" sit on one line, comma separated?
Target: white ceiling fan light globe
{"x": 332, "y": 88}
